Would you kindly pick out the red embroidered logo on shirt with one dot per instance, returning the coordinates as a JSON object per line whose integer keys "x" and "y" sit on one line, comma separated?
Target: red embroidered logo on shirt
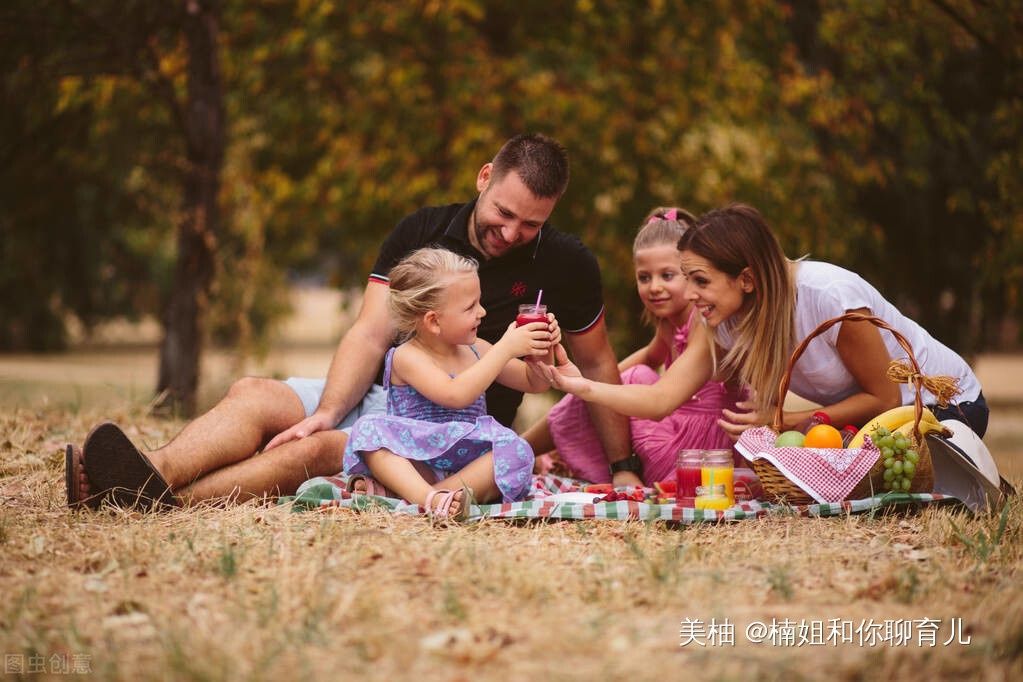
{"x": 518, "y": 289}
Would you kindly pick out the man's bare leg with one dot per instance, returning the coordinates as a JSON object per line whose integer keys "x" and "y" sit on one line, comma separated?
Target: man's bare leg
{"x": 220, "y": 446}
{"x": 277, "y": 472}
{"x": 253, "y": 411}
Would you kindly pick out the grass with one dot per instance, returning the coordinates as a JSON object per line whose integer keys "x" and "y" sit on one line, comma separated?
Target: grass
{"x": 257, "y": 592}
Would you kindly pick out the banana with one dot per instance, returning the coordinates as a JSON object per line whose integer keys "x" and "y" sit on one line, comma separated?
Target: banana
{"x": 893, "y": 419}
{"x": 925, "y": 428}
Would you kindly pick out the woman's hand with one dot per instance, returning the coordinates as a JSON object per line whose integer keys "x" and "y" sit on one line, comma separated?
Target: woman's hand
{"x": 564, "y": 375}
{"x": 746, "y": 416}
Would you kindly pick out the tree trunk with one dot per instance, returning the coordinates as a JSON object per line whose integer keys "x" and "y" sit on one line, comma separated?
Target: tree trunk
{"x": 197, "y": 232}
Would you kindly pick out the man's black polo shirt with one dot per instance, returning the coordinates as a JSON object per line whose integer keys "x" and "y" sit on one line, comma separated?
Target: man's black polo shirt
{"x": 556, "y": 262}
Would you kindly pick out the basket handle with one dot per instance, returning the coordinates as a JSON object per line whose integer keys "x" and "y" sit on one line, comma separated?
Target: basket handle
{"x": 917, "y": 379}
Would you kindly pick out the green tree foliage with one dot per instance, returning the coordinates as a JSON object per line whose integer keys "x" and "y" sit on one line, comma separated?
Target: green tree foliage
{"x": 86, "y": 216}
{"x": 881, "y": 135}
{"x": 915, "y": 107}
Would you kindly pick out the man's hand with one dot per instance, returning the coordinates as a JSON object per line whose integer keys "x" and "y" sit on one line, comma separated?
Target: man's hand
{"x": 312, "y": 424}
{"x": 621, "y": 478}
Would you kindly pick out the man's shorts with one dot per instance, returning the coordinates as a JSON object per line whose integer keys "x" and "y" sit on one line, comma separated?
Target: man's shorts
{"x": 311, "y": 390}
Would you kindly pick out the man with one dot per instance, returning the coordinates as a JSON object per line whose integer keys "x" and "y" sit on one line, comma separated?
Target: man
{"x": 267, "y": 437}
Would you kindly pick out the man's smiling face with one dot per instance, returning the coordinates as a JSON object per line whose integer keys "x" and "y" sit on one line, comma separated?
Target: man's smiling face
{"x": 507, "y": 214}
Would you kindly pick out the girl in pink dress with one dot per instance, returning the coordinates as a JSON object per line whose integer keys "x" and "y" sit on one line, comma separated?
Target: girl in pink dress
{"x": 661, "y": 286}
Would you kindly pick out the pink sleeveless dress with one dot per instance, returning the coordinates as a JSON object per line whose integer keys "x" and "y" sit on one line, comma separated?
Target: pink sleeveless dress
{"x": 657, "y": 442}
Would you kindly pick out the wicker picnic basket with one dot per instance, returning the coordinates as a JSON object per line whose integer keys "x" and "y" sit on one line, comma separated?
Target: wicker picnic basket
{"x": 778, "y": 488}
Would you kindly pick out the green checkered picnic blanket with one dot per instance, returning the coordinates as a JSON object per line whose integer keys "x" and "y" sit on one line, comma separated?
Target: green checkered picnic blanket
{"x": 330, "y": 493}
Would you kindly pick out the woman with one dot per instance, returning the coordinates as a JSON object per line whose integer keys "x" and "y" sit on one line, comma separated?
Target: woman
{"x": 757, "y": 305}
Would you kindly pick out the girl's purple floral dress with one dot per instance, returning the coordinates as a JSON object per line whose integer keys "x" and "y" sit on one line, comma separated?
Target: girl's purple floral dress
{"x": 445, "y": 439}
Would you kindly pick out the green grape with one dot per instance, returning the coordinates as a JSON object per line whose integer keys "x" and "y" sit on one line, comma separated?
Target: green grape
{"x": 886, "y": 442}
{"x": 912, "y": 456}
{"x": 905, "y": 484}
{"x": 889, "y": 474}
{"x": 889, "y": 462}
{"x": 888, "y": 485}
{"x": 900, "y": 441}
{"x": 887, "y": 452}
{"x": 909, "y": 468}
{"x": 881, "y": 432}
{"x": 897, "y": 467}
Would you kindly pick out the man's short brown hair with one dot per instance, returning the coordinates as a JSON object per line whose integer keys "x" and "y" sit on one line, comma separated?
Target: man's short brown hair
{"x": 541, "y": 162}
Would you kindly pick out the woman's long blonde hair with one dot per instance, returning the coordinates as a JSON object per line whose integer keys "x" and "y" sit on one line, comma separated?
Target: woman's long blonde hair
{"x": 417, "y": 285}
{"x": 733, "y": 239}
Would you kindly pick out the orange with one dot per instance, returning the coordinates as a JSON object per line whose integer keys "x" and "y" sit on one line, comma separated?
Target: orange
{"x": 823, "y": 436}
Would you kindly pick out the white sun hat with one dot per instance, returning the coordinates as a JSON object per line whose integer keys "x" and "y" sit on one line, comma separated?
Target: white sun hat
{"x": 964, "y": 468}
{"x": 970, "y": 444}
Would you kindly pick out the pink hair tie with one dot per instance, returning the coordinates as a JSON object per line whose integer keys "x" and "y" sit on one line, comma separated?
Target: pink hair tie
{"x": 671, "y": 214}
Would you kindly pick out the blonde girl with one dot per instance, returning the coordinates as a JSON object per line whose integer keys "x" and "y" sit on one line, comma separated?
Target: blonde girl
{"x": 436, "y": 443}
{"x": 661, "y": 285}
{"x": 760, "y": 304}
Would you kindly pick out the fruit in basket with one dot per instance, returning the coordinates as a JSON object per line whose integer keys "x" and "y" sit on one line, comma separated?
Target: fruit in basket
{"x": 823, "y": 436}
{"x": 789, "y": 439}
{"x": 925, "y": 428}
{"x": 900, "y": 459}
{"x": 892, "y": 419}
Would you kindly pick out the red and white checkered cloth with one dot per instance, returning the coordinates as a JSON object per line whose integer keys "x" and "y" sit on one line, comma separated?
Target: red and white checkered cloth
{"x": 826, "y": 474}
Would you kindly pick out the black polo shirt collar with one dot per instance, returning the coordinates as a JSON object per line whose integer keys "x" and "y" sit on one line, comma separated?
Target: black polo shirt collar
{"x": 458, "y": 231}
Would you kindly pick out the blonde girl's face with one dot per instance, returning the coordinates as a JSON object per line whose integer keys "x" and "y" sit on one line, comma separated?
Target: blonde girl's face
{"x": 458, "y": 317}
{"x": 661, "y": 283}
{"x": 716, "y": 294}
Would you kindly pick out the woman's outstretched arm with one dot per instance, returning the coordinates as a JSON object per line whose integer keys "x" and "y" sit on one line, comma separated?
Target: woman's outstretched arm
{"x": 655, "y": 401}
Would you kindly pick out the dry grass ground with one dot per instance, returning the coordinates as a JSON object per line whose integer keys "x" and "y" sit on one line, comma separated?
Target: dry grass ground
{"x": 258, "y": 592}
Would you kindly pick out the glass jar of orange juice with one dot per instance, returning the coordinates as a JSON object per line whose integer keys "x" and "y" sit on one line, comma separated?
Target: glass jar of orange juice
{"x": 717, "y": 476}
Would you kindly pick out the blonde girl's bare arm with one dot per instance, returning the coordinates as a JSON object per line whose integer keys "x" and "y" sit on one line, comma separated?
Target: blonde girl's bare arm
{"x": 416, "y": 368}
{"x": 516, "y": 373}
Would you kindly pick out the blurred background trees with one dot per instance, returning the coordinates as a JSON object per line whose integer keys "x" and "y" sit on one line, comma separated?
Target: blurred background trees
{"x": 884, "y": 136}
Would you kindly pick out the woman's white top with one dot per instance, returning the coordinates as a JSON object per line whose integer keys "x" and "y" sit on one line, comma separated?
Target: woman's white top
{"x": 825, "y": 291}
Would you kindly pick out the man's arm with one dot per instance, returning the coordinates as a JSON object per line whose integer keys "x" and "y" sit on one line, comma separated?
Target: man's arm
{"x": 355, "y": 364}
{"x": 592, "y": 354}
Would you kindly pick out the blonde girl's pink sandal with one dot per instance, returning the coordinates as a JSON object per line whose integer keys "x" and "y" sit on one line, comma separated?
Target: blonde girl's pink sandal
{"x": 445, "y": 498}
{"x": 372, "y": 486}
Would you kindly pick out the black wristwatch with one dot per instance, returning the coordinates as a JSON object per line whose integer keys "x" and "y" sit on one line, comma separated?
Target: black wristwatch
{"x": 631, "y": 463}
